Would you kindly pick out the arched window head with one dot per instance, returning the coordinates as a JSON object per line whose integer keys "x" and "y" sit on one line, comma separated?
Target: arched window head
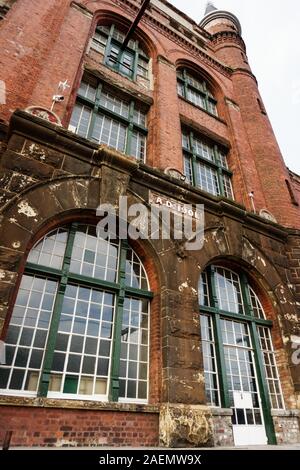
{"x": 232, "y": 293}
{"x": 192, "y": 87}
{"x": 80, "y": 324}
{"x": 237, "y": 349}
{"x": 133, "y": 62}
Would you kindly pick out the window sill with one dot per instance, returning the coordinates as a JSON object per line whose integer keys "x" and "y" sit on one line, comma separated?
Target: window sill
{"x": 43, "y": 402}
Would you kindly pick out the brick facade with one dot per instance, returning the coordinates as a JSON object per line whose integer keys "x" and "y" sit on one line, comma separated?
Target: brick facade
{"x": 50, "y": 176}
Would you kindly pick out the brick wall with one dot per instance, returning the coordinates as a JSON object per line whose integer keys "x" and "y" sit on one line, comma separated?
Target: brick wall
{"x": 50, "y": 45}
{"x": 46, "y": 427}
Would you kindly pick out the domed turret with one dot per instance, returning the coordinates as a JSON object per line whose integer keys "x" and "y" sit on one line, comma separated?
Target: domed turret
{"x": 216, "y": 21}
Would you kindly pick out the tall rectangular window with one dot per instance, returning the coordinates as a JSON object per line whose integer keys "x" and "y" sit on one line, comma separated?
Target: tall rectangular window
{"x": 205, "y": 165}
{"x": 106, "y": 116}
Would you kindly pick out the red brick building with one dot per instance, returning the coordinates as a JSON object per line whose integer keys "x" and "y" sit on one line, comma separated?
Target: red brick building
{"x": 142, "y": 342}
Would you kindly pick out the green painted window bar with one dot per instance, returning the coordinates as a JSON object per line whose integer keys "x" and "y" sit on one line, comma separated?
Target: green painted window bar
{"x": 196, "y": 90}
{"x": 237, "y": 348}
{"x": 205, "y": 165}
{"x": 106, "y": 116}
{"x": 132, "y": 62}
{"x": 80, "y": 324}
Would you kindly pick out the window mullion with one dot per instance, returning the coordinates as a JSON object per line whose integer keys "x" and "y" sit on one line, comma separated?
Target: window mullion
{"x": 119, "y": 303}
{"x": 220, "y": 354}
{"x": 108, "y": 44}
{"x": 95, "y": 111}
{"x": 219, "y": 170}
{"x": 246, "y": 296}
{"x": 185, "y": 84}
{"x": 129, "y": 129}
{"x": 206, "y": 99}
{"x": 135, "y": 60}
{"x": 194, "y": 159}
{"x": 50, "y": 345}
{"x": 262, "y": 384}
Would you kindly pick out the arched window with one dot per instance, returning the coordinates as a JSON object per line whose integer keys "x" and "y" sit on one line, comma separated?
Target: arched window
{"x": 239, "y": 360}
{"x": 80, "y": 324}
{"x": 196, "y": 90}
{"x": 132, "y": 62}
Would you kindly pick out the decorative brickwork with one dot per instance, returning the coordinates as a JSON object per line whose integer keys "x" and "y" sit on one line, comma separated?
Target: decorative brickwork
{"x": 50, "y": 176}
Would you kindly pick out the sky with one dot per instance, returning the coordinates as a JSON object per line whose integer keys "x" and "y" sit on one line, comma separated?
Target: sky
{"x": 270, "y": 31}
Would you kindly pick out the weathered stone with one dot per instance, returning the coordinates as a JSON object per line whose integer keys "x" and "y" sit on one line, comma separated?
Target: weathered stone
{"x": 5, "y": 196}
{"x": 184, "y": 328}
{"x": 185, "y": 426}
{"x": 222, "y": 427}
{"x": 182, "y": 352}
{"x": 113, "y": 185}
{"x": 13, "y": 236}
{"x": 26, "y": 166}
{"x": 182, "y": 385}
{"x": 16, "y": 143}
{"x": 20, "y": 182}
{"x": 7, "y": 276}
{"x": 5, "y": 177}
{"x": 9, "y": 259}
{"x": 93, "y": 197}
{"x": 287, "y": 429}
{"x": 6, "y": 289}
{"x": 43, "y": 154}
{"x": 75, "y": 166}
{"x": 67, "y": 194}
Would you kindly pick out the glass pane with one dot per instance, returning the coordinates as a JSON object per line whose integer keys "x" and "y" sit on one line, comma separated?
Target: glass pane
{"x": 229, "y": 291}
{"x": 50, "y": 250}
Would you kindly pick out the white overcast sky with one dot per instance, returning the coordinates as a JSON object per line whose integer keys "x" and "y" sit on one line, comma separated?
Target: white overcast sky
{"x": 271, "y": 33}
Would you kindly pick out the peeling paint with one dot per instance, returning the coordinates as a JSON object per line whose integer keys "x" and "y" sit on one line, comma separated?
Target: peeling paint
{"x": 16, "y": 245}
{"x": 292, "y": 317}
{"x": 184, "y": 285}
{"x": 285, "y": 339}
{"x": 12, "y": 220}
{"x": 35, "y": 149}
{"x": 262, "y": 261}
{"x": 26, "y": 209}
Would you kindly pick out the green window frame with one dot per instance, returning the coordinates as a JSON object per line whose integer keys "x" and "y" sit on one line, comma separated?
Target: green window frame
{"x": 237, "y": 303}
{"x": 133, "y": 62}
{"x": 80, "y": 324}
{"x": 205, "y": 165}
{"x": 103, "y": 114}
{"x": 196, "y": 91}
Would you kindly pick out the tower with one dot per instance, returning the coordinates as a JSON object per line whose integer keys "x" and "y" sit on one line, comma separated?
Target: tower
{"x": 263, "y": 169}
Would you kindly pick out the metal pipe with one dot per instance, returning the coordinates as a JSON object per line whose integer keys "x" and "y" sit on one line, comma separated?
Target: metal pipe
{"x": 134, "y": 24}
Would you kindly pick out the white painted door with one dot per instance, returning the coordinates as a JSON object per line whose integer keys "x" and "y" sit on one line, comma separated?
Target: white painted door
{"x": 247, "y": 420}
{"x": 246, "y": 431}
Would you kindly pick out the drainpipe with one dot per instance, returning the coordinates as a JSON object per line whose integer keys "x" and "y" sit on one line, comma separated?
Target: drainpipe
{"x": 134, "y": 24}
